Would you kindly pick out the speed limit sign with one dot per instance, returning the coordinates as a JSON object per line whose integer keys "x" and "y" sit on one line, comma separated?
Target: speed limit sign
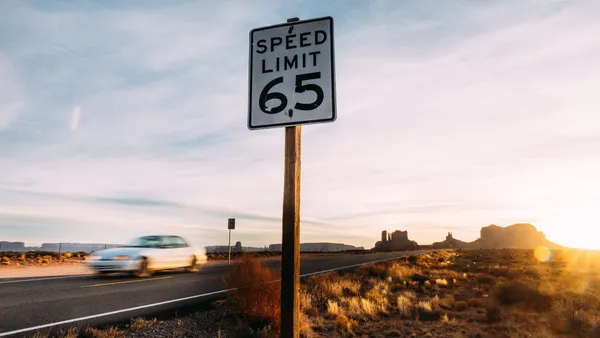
{"x": 292, "y": 74}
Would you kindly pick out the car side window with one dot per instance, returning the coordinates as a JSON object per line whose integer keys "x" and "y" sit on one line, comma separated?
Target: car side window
{"x": 179, "y": 242}
{"x": 167, "y": 242}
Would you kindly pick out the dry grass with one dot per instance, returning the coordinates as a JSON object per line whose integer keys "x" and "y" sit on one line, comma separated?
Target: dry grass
{"x": 462, "y": 293}
{"x": 405, "y": 303}
{"x": 345, "y": 323}
{"x": 484, "y": 293}
{"x": 142, "y": 324}
{"x": 111, "y": 332}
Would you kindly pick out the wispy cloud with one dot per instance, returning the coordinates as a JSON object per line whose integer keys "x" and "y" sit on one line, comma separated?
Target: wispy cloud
{"x": 75, "y": 116}
{"x": 11, "y": 92}
{"x": 451, "y": 116}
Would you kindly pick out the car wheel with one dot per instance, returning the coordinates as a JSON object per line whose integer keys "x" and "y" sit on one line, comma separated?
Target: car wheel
{"x": 193, "y": 265}
{"x": 143, "y": 270}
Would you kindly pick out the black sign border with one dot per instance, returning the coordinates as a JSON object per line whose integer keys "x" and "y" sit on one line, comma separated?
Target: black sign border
{"x": 332, "y": 55}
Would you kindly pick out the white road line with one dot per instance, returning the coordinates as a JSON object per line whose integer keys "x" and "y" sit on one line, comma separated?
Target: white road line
{"x": 43, "y": 278}
{"x": 39, "y": 327}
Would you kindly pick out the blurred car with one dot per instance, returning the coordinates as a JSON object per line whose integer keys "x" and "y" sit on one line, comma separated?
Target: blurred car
{"x": 148, "y": 254}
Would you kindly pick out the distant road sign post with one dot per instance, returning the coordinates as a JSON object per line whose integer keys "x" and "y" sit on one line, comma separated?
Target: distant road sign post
{"x": 230, "y": 226}
{"x": 291, "y": 83}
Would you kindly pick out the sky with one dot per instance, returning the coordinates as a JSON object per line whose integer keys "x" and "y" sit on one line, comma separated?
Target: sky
{"x": 119, "y": 119}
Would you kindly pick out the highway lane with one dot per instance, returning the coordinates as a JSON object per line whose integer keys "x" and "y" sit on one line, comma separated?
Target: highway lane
{"x": 99, "y": 300}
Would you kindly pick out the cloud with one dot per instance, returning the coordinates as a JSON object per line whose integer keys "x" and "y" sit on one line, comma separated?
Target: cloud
{"x": 451, "y": 116}
{"x": 75, "y": 116}
{"x": 11, "y": 93}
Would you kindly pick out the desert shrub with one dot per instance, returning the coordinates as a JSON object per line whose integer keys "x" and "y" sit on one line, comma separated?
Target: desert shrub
{"x": 44, "y": 261}
{"x": 111, "y": 332}
{"x": 474, "y": 302}
{"x": 330, "y": 286}
{"x": 420, "y": 279}
{"x": 447, "y": 301}
{"x": 64, "y": 333}
{"x": 425, "y": 311}
{"x": 141, "y": 324}
{"x": 68, "y": 255}
{"x": 69, "y": 333}
{"x": 402, "y": 272}
{"x": 368, "y": 307}
{"x": 345, "y": 323}
{"x": 596, "y": 331}
{"x": 255, "y": 297}
{"x": 445, "y": 318}
{"x": 493, "y": 314}
{"x": 397, "y": 287}
{"x": 405, "y": 303}
{"x": 509, "y": 273}
{"x": 513, "y": 293}
{"x": 413, "y": 259}
{"x": 305, "y": 326}
{"x": 352, "y": 307}
{"x": 461, "y": 305}
{"x": 486, "y": 280}
{"x": 333, "y": 307}
{"x": 580, "y": 300}
{"x": 570, "y": 316}
{"x": 306, "y": 302}
{"x": 376, "y": 296}
{"x": 441, "y": 282}
{"x": 377, "y": 270}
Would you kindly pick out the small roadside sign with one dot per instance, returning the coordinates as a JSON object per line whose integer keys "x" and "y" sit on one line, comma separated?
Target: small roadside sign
{"x": 231, "y": 224}
{"x": 292, "y": 74}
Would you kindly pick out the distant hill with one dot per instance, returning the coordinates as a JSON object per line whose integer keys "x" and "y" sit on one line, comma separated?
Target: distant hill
{"x": 234, "y": 248}
{"x": 516, "y": 236}
{"x": 320, "y": 247}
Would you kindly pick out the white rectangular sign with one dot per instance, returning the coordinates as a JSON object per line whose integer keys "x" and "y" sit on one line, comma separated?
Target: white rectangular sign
{"x": 292, "y": 74}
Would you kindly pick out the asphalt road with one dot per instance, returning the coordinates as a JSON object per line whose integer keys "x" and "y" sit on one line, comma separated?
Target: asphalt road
{"x": 30, "y": 304}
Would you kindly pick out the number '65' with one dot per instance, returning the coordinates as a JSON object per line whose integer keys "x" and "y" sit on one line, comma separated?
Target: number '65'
{"x": 265, "y": 95}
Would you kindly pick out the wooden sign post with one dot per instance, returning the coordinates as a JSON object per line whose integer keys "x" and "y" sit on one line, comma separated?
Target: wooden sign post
{"x": 291, "y": 83}
{"x": 290, "y": 255}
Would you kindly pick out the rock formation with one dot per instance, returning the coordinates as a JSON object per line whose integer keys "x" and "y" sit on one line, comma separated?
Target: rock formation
{"x": 450, "y": 243}
{"x": 398, "y": 240}
{"x": 516, "y": 236}
{"x": 12, "y": 246}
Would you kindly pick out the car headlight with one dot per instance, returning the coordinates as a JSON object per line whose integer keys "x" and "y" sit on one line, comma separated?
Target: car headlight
{"x": 120, "y": 258}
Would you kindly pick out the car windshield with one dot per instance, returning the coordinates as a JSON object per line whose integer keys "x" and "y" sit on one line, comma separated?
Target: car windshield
{"x": 145, "y": 242}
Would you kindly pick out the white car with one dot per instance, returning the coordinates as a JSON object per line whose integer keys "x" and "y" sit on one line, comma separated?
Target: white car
{"x": 148, "y": 254}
